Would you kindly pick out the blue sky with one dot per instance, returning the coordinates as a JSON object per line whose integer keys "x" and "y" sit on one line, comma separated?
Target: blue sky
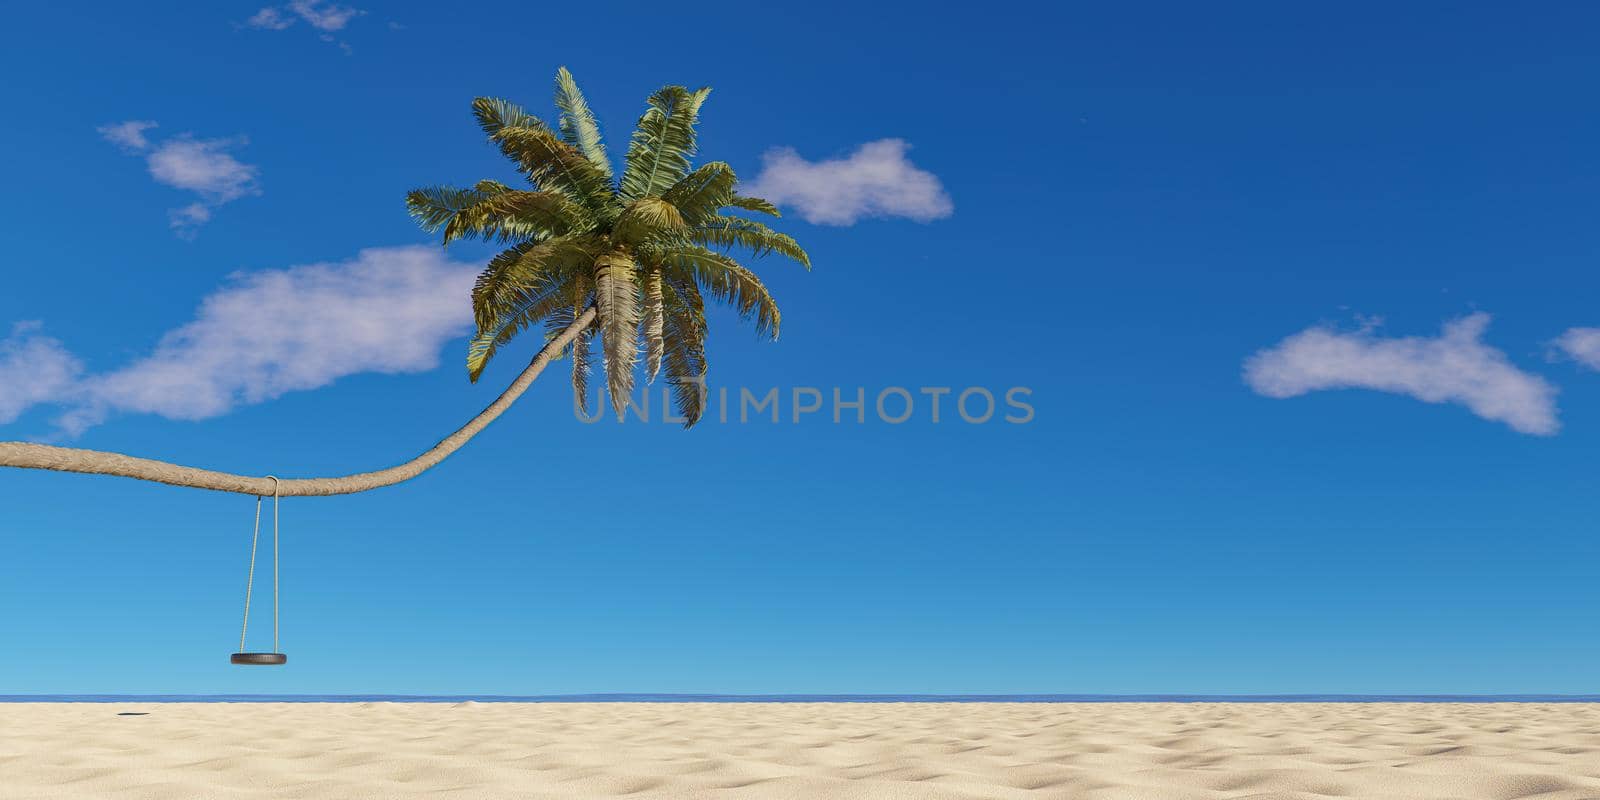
{"x": 1183, "y": 229}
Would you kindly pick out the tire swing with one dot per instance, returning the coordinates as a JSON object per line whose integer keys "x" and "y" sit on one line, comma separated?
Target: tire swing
{"x": 276, "y": 657}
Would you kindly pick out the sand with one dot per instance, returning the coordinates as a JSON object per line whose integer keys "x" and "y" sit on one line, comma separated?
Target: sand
{"x": 1143, "y": 751}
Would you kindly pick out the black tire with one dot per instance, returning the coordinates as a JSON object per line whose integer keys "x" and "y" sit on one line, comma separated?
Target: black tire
{"x": 261, "y": 659}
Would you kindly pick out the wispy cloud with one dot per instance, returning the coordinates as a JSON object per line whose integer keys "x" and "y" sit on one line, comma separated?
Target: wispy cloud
{"x": 326, "y": 17}
{"x": 265, "y": 334}
{"x": 877, "y": 180}
{"x": 34, "y": 369}
{"x": 270, "y": 19}
{"x": 203, "y": 166}
{"x": 1581, "y": 345}
{"x": 1454, "y": 367}
{"x": 128, "y": 135}
{"x": 187, "y": 219}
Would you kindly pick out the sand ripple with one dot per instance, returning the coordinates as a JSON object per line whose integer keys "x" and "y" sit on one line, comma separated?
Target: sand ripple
{"x": 1093, "y": 751}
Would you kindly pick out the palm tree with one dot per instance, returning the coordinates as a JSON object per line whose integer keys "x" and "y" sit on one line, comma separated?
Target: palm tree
{"x": 635, "y": 255}
{"x": 642, "y": 250}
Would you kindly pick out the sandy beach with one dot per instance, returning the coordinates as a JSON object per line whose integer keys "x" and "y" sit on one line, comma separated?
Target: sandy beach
{"x": 1138, "y": 751}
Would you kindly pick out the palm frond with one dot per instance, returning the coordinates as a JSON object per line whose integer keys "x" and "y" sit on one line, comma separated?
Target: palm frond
{"x": 648, "y": 218}
{"x": 494, "y": 293}
{"x": 754, "y": 204}
{"x": 495, "y": 115}
{"x": 728, "y": 281}
{"x": 582, "y": 356}
{"x": 704, "y": 192}
{"x": 512, "y": 273}
{"x": 493, "y": 212}
{"x": 651, "y": 324}
{"x": 548, "y": 295}
{"x": 434, "y": 206}
{"x": 576, "y": 298}
{"x": 684, "y": 318}
{"x": 561, "y": 318}
{"x": 515, "y": 215}
{"x": 582, "y": 346}
{"x": 578, "y": 126}
{"x": 551, "y": 163}
{"x": 729, "y": 232}
{"x": 580, "y": 293}
{"x": 616, "y": 292}
{"x": 663, "y": 142}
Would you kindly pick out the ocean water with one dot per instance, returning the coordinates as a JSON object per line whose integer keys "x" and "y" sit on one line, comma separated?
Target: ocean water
{"x": 802, "y": 698}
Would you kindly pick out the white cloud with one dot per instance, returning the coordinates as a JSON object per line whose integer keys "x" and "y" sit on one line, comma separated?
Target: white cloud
{"x": 128, "y": 135}
{"x": 203, "y": 166}
{"x": 1454, "y": 367}
{"x": 1582, "y": 345}
{"x": 267, "y": 333}
{"x": 875, "y": 181}
{"x": 34, "y": 369}
{"x": 271, "y": 19}
{"x": 324, "y": 16}
{"x": 185, "y": 221}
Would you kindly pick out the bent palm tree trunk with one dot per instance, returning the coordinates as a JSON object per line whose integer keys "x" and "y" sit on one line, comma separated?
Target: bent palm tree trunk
{"x": 65, "y": 459}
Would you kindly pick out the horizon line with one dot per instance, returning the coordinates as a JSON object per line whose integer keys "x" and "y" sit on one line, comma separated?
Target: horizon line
{"x": 700, "y": 697}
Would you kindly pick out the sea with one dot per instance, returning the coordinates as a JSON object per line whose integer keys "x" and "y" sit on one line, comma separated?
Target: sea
{"x": 801, "y": 698}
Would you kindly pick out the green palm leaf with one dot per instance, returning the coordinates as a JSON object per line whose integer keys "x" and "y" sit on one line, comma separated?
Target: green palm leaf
{"x": 512, "y": 273}
{"x": 546, "y": 296}
{"x": 578, "y": 126}
{"x": 754, "y": 204}
{"x": 658, "y": 154}
{"x": 434, "y": 206}
{"x": 553, "y": 164}
{"x": 729, "y": 232}
{"x": 704, "y": 192}
{"x": 577, "y": 298}
{"x": 495, "y": 115}
{"x": 616, "y": 290}
{"x": 582, "y": 357}
{"x": 651, "y": 325}
{"x": 730, "y": 282}
{"x": 649, "y": 218}
{"x": 684, "y": 318}
{"x": 515, "y": 215}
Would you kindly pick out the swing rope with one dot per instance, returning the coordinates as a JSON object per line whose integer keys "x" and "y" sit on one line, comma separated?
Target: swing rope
{"x": 275, "y": 485}
{"x": 250, "y": 581}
